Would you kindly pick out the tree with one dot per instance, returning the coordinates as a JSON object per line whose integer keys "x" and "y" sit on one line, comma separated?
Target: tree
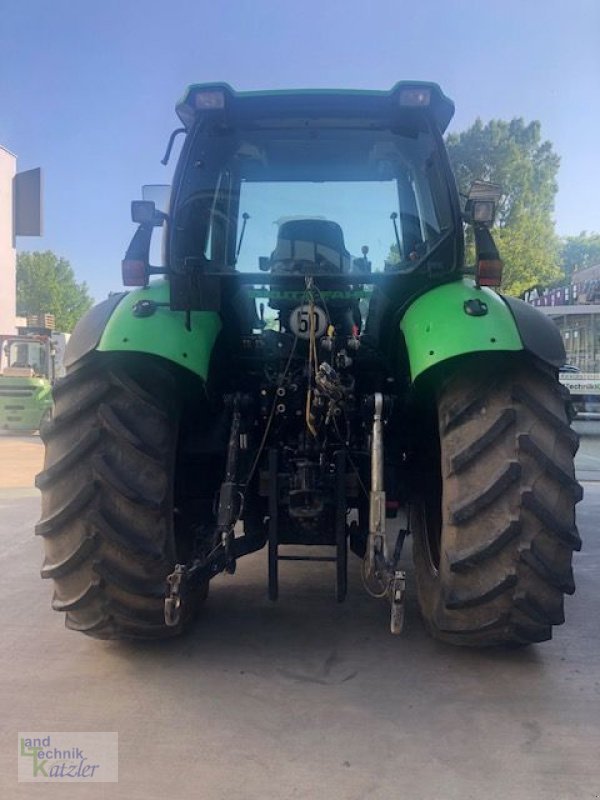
{"x": 529, "y": 249}
{"x": 579, "y": 252}
{"x": 46, "y": 284}
{"x": 513, "y": 155}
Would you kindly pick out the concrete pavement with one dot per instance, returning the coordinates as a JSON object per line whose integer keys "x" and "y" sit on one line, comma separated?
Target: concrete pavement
{"x": 305, "y": 698}
{"x": 21, "y": 457}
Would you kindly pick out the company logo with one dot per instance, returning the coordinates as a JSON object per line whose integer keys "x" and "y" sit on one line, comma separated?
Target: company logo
{"x": 328, "y": 294}
{"x": 68, "y": 757}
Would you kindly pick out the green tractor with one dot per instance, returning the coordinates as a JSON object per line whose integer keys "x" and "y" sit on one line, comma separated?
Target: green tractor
{"x": 311, "y": 365}
{"x": 30, "y": 361}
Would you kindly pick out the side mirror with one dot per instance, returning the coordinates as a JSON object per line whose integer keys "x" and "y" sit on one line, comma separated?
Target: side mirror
{"x": 144, "y": 213}
{"x": 159, "y": 193}
{"x": 482, "y": 201}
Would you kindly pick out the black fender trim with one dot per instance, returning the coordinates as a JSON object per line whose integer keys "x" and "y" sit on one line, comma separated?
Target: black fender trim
{"x": 88, "y": 331}
{"x": 539, "y": 334}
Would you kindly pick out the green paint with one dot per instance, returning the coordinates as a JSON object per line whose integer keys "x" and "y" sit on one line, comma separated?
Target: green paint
{"x": 23, "y": 402}
{"x": 437, "y": 328}
{"x": 164, "y": 333}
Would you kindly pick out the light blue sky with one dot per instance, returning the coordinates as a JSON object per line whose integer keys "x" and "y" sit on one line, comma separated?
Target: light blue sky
{"x": 87, "y": 89}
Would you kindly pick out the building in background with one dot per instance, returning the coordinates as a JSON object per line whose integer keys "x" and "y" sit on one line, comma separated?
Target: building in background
{"x": 8, "y": 169}
{"x": 20, "y": 215}
{"x": 575, "y": 307}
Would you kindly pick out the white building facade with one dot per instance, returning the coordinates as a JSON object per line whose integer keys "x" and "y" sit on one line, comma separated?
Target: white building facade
{"x": 8, "y": 253}
{"x": 20, "y": 215}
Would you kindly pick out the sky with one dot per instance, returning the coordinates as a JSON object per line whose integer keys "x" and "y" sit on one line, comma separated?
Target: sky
{"x": 88, "y": 89}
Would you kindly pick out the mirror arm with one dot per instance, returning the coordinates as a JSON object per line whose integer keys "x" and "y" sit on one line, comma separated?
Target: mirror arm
{"x": 139, "y": 246}
{"x": 485, "y": 246}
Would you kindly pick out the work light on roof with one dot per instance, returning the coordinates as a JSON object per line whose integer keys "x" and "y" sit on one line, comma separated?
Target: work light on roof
{"x": 415, "y": 97}
{"x": 212, "y": 100}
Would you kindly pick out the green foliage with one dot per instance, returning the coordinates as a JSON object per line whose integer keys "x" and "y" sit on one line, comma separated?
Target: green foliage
{"x": 579, "y": 252}
{"x": 46, "y": 284}
{"x": 530, "y": 251}
{"x": 513, "y": 155}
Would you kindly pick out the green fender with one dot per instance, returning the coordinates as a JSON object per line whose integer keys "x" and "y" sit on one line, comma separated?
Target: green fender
{"x": 163, "y": 333}
{"x": 437, "y": 327}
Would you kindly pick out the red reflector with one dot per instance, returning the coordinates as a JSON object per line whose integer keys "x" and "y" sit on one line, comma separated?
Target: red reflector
{"x": 134, "y": 272}
{"x": 489, "y": 273}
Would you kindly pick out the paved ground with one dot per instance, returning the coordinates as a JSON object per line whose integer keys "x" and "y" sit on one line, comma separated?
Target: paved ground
{"x": 20, "y": 458}
{"x": 303, "y": 699}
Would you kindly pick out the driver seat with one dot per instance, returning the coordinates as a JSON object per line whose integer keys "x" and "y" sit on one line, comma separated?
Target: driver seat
{"x": 316, "y": 244}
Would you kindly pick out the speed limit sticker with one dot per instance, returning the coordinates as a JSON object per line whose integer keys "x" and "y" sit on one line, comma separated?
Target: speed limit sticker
{"x": 300, "y": 321}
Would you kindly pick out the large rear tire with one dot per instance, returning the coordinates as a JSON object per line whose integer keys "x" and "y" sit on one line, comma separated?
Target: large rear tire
{"x": 495, "y": 531}
{"x": 108, "y": 497}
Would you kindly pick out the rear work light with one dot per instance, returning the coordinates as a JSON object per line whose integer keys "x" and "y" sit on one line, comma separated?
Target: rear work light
{"x": 489, "y": 272}
{"x": 209, "y": 100}
{"x": 134, "y": 272}
{"x": 483, "y": 211}
{"x": 415, "y": 97}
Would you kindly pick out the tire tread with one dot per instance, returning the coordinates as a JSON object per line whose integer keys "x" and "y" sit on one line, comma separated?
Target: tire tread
{"x": 106, "y": 517}
{"x": 508, "y": 507}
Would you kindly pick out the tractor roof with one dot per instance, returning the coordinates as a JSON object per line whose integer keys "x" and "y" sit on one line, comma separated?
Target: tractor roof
{"x": 406, "y": 99}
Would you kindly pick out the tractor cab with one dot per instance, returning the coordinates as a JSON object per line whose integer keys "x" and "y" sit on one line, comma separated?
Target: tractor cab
{"x": 25, "y": 357}
{"x": 272, "y": 186}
